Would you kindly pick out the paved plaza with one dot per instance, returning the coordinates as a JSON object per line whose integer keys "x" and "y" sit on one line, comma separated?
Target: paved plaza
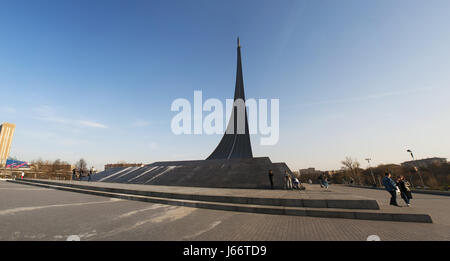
{"x": 35, "y": 213}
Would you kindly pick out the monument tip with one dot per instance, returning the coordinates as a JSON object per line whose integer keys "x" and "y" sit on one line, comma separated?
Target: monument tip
{"x": 238, "y": 42}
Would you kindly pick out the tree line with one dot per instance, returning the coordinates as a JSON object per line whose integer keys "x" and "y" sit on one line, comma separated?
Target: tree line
{"x": 433, "y": 176}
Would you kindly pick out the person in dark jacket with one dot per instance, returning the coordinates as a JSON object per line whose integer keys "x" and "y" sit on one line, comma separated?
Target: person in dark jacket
{"x": 405, "y": 190}
{"x": 271, "y": 178}
{"x": 391, "y": 187}
{"x": 325, "y": 182}
{"x": 74, "y": 174}
{"x": 320, "y": 178}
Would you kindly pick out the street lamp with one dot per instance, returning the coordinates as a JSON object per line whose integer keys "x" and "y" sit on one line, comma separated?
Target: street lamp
{"x": 371, "y": 172}
{"x": 416, "y": 168}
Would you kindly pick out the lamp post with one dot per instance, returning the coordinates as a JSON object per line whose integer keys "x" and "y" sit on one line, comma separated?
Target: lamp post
{"x": 371, "y": 172}
{"x": 416, "y": 168}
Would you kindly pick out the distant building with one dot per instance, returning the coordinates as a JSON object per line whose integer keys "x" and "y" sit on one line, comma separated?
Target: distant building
{"x": 424, "y": 162}
{"x": 313, "y": 173}
{"x": 309, "y": 171}
{"x": 123, "y": 165}
{"x": 332, "y": 172}
{"x": 6, "y": 136}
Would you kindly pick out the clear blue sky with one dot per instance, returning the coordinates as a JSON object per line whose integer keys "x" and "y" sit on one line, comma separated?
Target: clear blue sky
{"x": 95, "y": 79}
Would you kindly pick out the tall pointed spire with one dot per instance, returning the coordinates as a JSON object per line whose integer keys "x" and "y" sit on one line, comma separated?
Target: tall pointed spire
{"x": 235, "y": 145}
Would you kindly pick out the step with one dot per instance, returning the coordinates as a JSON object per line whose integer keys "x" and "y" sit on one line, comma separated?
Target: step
{"x": 283, "y": 202}
{"x": 251, "y": 208}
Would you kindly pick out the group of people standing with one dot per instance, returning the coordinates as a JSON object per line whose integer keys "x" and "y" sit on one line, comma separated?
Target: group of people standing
{"x": 77, "y": 174}
{"x": 400, "y": 186}
{"x": 290, "y": 182}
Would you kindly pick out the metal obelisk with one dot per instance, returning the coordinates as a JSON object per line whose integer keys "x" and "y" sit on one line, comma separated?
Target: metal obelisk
{"x": 236, "y": 144}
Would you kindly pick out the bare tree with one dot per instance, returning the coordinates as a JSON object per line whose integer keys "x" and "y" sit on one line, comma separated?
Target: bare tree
{"x": 81, "y": 164}
{"x": 55, "y": 165}
{"x": 353, "y": 167}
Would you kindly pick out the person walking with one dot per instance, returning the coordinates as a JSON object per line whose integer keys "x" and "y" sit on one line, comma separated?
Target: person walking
{"x": 320, "y": 178}
{"x": 271, "y": 178}
{"x": 325, "y": 182}
{"x": 90, "y": 173}
{"x": 391, "y": 187}
{"x": 405, "y": 190}
{"x": 81, "y": 174}
{"x": 74, "y": 174}
{"x": 23, "y": 174}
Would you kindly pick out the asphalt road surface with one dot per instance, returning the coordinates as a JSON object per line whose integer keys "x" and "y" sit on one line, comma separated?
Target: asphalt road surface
{"x": 34, "y": 213}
